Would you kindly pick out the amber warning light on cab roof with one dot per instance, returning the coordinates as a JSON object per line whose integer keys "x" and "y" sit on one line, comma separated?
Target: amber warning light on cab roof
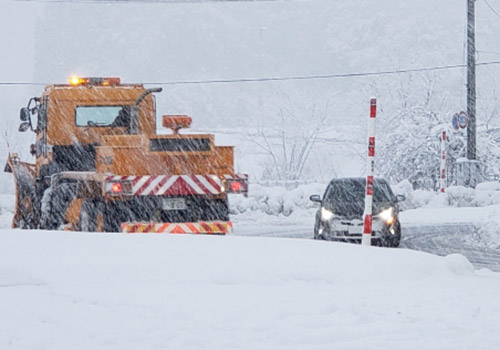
{"x": 107, "y": 81}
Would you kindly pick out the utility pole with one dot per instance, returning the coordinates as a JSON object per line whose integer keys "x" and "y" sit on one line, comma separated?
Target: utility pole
{"x": 471, "y": 81}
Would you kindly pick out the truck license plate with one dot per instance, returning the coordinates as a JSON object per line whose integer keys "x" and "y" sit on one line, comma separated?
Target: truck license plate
{"x": 174, "y": 203}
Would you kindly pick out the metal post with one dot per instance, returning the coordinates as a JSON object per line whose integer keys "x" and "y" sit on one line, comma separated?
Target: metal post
{"x": 442, "y": 180}
{"x": 471, "y": 82}
{"x": 367, "y": 224}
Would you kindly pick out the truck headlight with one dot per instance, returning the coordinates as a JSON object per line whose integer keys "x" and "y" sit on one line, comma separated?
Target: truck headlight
{"x": 326, "y": 215}
{"x": 388, "y": 216}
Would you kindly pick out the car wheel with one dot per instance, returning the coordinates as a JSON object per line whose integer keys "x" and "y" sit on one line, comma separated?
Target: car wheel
{"x": 393, "y": 240}
{"x": 317, "y": 235}
{"x": 394, "y": 243}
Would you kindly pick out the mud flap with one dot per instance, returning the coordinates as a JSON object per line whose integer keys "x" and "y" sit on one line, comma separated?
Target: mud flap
{"x": 26, "y": 209}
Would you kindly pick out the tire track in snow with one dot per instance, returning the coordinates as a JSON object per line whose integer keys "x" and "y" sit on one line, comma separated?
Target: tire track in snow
{"x": 449, "y": 239}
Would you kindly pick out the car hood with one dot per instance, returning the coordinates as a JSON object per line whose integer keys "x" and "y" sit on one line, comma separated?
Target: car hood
{"x": 355, "y": 210}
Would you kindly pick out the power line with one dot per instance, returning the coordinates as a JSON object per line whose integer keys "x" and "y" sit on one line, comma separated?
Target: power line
{"x": 146, "y": 1}
{"x": 319, "y": 77}
{"x": 290, "y": 78}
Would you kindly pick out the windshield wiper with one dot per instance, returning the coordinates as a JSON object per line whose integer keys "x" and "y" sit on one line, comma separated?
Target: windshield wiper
{"x": 93, "y": 123}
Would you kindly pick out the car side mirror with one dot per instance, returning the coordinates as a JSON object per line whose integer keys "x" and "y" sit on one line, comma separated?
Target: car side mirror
{"x": 24, "y": 115}
{"x": 315, "y": 198}
{"x": 24, "y": 126}
{"x": 400, "y": 198}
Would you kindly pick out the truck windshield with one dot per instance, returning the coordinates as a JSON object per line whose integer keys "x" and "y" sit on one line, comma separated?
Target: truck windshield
{"x": 102, "y": 116}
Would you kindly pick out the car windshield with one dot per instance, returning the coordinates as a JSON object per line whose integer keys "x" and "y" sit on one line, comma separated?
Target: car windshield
{"x": 102, "y": 115}
{"x": 353, "y": 191}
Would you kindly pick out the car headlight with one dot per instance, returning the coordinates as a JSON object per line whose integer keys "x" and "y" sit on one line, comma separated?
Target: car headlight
{"x": 326, "y": 215}
{"x": 388, "y": 216}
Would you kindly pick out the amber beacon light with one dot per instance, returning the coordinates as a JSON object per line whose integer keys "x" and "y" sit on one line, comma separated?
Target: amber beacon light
{"x": 99, "y": 81}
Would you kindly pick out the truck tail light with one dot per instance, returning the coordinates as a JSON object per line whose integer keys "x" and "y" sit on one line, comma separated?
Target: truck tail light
{"x": 118, "y": 188}
{"x": 237, "y": 185}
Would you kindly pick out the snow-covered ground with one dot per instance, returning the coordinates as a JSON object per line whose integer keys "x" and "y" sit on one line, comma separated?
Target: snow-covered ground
{"x": 64, "y": 290}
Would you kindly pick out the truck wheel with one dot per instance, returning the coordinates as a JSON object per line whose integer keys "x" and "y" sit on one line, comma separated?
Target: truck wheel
{"x": 46, "y": 222}
{"x": 54, "y": 204}
{"x": 112, "y": 218}
{"x": 89, "y": 215}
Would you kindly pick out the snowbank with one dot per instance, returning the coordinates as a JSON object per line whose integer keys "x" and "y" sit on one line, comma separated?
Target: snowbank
{"x": 6, "y": 210}
{"x": 485, "y": 194}
{"x": 275, "y": 200}
{"x": 93, "y": 291}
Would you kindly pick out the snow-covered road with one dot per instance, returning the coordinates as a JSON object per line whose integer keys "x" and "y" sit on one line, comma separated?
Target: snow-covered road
{"x": 436, "y": 238}
{"x": 446, "y": 239}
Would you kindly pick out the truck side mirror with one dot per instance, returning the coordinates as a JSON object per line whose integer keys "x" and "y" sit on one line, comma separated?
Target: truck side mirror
{"x": 24, "y": 114}
{"x": 24, "y": 126}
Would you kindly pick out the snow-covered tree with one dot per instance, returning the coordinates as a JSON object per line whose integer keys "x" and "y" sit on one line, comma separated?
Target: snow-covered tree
{"x": 410, "y": 141}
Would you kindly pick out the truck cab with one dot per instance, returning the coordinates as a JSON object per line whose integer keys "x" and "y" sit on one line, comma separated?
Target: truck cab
{"x": 73, "y": 118}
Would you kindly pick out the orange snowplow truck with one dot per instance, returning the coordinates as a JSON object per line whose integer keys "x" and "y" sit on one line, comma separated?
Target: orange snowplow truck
{"x": 101, "y": 166}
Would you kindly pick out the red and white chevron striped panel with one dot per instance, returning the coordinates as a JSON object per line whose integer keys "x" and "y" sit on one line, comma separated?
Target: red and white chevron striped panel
{"x": 170, "y": 185}
{"x": 176, "y": 185}
{"x": 208, "y": 227}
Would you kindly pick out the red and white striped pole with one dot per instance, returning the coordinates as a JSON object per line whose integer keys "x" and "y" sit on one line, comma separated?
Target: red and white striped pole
{"x": 442, "y": 171}
{"x": 367, "y": 226}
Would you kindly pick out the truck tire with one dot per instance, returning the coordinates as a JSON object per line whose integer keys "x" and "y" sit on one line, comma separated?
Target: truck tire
{"x": 112, "y": 218}
{"x": 89, "y": 215}
{"x": 55, "y": 202}
{"x": 46, "y": 220}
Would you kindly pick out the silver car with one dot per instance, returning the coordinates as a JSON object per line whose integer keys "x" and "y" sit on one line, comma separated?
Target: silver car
{"x": 340, "y": 217}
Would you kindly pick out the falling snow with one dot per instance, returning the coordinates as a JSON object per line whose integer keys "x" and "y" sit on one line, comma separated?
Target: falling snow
{"x": 267, "y": 285}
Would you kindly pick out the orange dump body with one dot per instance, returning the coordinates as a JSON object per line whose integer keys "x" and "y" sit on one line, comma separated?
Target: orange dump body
{"x": 143, "y": 155}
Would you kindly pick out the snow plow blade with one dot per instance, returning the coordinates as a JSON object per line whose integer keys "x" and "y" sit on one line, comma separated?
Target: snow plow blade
{"x": 208, "y": 227}
{"x": 25, "y": 207}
